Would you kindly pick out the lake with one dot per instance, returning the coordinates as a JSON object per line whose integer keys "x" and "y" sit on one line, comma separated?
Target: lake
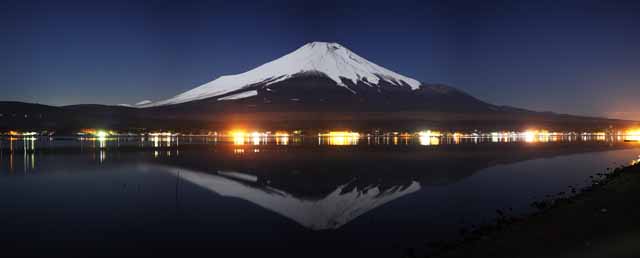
{"x": 277, "y": 196}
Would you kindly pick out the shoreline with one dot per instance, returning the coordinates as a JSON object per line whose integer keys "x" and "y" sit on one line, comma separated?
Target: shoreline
{"x": 598, "y": 221}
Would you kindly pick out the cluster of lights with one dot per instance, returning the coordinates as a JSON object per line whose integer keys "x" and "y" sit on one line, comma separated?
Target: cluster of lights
{"x": 632, "y": 135}
{"x": 101, "y": 134}
{"x": 429, "y": 137}
{"x": 339, "y": 138}
{"x": 21, "y": 134}
{"x": 256, "y": 138}
{"x": 339, "y": 134}
{"x": 429, "y": 133}
{"x": 346, "y": 137}
{"x": 162, "y": 134}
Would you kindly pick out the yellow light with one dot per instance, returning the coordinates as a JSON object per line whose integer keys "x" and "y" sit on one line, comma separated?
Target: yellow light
{"x": 255, "y": 136}
{"x": 237, "y": 133}
{"x": 282, "y": 138}
{"x": 281, "y": 134}
{"x": 530, "y": 135}
{"x": 341, "y": 137}
{"x": 102, "y": 139}
{"x": 88, "y": 131}
{"x": 427, "y": 141}
{"x": 456, "y": 137}
{"x": 429, "y": 133}
{"x": 238, "y": 137}
{"x": 155, "y": 134}
{"x": 340, "y": 134}
{"x": 632, "y": 135}
{"x": 429, "y": 137}
{"x": 101, "y": 134}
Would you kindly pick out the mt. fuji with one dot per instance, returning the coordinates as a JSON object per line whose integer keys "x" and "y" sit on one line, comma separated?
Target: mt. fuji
{"x": 319, "y": 85}
{"x": 331, "y": 60}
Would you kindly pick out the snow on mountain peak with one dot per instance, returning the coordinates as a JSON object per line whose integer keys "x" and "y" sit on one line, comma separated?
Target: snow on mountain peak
{"x": 331, "y": 59}
{"x": 142, "y": 103}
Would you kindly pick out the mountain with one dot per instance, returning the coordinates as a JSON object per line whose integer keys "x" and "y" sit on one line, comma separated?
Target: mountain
{"x": 324, "y": 76}
{"x": 319, "y": 85}
{"x": 343, "y": 67}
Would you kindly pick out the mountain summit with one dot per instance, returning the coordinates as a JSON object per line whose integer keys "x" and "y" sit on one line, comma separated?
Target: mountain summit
{"x": 344, "y": 67}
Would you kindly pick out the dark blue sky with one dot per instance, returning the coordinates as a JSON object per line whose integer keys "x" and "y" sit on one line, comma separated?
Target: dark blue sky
{"x": 580, "y": 57}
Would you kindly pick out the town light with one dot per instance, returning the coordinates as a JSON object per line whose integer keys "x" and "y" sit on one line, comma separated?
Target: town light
{"x": 101, "y": 134}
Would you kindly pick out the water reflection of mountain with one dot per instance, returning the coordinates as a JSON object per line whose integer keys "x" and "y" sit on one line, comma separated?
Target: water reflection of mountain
{"x": 333, "y": 211}
{"x": 313, "y": 173}
{"x": 325, "y": 189}
{"x": 317, "y": 187}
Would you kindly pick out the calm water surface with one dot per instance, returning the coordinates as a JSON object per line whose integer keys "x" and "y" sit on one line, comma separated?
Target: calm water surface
{"x": 293, "y": 197}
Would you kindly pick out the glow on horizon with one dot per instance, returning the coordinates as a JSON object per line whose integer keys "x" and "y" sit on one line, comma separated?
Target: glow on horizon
{"x": 632, "y": 135}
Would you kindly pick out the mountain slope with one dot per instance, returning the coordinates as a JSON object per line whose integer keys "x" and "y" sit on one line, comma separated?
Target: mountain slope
{"x": 330, "y": 60}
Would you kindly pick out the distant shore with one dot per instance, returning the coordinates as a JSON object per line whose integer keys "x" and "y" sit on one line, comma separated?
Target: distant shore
{"x": 600, "y": 221}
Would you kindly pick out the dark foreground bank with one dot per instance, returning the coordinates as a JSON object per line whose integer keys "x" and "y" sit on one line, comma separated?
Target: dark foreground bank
{"x": 601, "y": 221}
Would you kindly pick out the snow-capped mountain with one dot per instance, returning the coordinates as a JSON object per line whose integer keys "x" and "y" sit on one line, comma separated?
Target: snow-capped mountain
{"x": 332, "y": 60}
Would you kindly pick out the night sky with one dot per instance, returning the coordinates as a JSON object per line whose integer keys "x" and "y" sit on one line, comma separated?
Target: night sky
{"x": 579, "y": 57}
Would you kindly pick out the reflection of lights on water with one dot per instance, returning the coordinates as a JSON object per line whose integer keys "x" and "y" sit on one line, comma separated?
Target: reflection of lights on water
{"x": 238, "y": 151}
{"x": 33, "y": 160}
{"x": 456, "y": 138}
{"x": 102, "y": 143}
{"x": 162, "y": 141}
{"x": 29, "y": 143}
{"x": 282, "y": 140}
{"x": 103, "y": 156}
{"x": 255, "y": 138}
